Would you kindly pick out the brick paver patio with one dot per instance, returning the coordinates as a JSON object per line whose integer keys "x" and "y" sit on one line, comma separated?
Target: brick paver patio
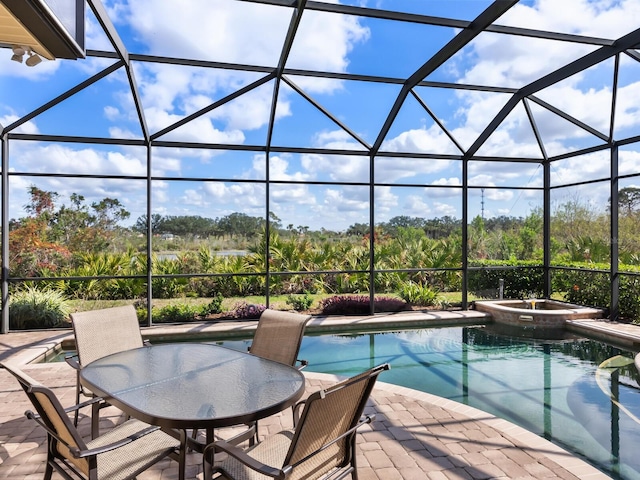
{"x": 416, "y": 436}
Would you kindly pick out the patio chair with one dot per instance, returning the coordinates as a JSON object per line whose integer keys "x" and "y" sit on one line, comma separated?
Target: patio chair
{"x": 322, "y": 444}
{"x": 99, "y": 333}
{"x": 277, "y": 337}
{"x": 119, "y": 454}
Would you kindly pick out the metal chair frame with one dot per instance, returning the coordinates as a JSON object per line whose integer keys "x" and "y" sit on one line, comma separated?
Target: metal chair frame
{"x": 322, "y": 444}
{"x": 278, "y": 337}
{"x": 121, "y": 454}
{"x": 99, "y": 333}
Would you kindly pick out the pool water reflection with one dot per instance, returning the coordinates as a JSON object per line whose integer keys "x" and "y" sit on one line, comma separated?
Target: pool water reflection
{"x": 546, "y": 386}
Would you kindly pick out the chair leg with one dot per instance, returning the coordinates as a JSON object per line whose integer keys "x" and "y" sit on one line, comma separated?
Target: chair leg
{"x": 354, "y": 472}
{"x": 76, "y": 413}
{"x": 48, "y": 471}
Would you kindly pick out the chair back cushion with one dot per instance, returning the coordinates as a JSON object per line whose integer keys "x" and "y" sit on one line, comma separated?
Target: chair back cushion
{"x": 279, "y": 335}
{"x": 327, "y": 415}
{"x": 53, "y": 416}
{"x": 100, "y": 333}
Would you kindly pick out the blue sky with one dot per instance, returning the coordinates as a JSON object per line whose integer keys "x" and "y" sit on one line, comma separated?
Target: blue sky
{"x": 247, "y": 33}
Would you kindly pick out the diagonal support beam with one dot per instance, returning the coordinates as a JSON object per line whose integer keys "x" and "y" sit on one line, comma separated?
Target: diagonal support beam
{"x": 629, "y": 41}
{"x": 486, "y": 18}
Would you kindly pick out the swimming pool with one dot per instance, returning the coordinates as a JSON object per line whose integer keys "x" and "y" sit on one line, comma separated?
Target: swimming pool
{"x": 551, "y": 387}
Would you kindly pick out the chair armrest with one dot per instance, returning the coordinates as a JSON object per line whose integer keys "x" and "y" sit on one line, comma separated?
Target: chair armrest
{"x": 32, "y": 415}
{"x": 73, "y": 361}
{"x": 86, "y": 403}
{"x": 111, "y": 446}
{"x": 93, "y": 451}
{"x": 240, "y": 455}
{"x": 242, "y": 436}
{"x": 364, "y": 420}
{"x": 297, "y": 409}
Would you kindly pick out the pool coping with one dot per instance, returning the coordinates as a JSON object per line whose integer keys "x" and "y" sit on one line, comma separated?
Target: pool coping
{"x": 623, "y": 335}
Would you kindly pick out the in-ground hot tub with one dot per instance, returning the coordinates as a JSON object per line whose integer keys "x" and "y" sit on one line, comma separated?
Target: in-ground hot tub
{"x": 535, "y": 312}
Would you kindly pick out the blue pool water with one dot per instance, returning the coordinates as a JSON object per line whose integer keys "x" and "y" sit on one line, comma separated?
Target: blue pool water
{"x": 551, "y": 387}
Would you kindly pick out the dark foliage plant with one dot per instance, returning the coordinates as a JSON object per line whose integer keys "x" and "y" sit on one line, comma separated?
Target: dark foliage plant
{"x": 245, "y": 310}
{"x": 359, "y": 305}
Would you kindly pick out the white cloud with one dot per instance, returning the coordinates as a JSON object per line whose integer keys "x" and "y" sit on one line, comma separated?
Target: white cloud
{"x": 627, "y": 108}
{"x": 199, "y": 130}
{"x": 516, "y": 61}
{"x": 390, "y": 169}
{"x": 499, "y": 195}
{"x": 444, "y": 209}
{"x": 431, "y": 140}
{"x": 450, "y": 193}
{"x": 577, "y": 169}
{"x": 453, "y": 182}
{"x": 615, "y": 18}
{"x": 346, "y": 200}
{"x": 386, "y": 203}
{"x": 216, "y": 190}
{"x": 27, "y": 127}
{"x": 192, "y": 197}
{"x": 111, "y": 112}
{"x": 629, "y": 162}
{"x": 236, "y": 32}
{"x": 116, "y": 132}
{"x": 278, "y": 168}
{"x": 415, "y": 206}
{"x": 54, "y": 158}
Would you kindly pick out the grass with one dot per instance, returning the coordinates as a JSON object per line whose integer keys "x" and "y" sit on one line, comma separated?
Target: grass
{"x": 278, "y": 302}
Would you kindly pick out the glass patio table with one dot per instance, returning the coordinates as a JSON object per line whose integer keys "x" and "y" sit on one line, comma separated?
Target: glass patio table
{"x": 183, "y": 386}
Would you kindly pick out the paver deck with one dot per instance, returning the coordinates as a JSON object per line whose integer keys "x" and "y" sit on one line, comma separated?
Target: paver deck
{"x": 415, "y": 436}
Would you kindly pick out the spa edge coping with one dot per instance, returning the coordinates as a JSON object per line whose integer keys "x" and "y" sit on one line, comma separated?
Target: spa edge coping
{"x": 624, "y": 335}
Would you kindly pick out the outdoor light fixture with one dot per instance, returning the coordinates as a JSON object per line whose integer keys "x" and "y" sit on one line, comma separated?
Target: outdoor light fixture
{"x": 33, "y": 60}
{"x": 51, "y": 28}
{"x": 18, "y": 53}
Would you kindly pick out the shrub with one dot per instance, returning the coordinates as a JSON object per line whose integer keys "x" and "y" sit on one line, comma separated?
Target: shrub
{"x": 300, "y": 302}
{"x": 214, "y": 306}
{"x": 418, "y": 294}
{"x": 521, "y": 278}
{"x": 245, "y": 310}
{"x": 175, "y": 313}
{"x": 32, "y": 308}
{"x": 630, "y": 298}
{"x": 588, "y": 288}
{"x": 359, "y": 305}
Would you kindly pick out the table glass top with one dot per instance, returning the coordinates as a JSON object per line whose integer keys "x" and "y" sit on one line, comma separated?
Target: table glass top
{"x": 190, "y": 383}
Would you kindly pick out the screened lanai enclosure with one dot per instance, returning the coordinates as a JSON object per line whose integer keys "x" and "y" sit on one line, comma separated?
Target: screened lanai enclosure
{"x": 423, "y": 151}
